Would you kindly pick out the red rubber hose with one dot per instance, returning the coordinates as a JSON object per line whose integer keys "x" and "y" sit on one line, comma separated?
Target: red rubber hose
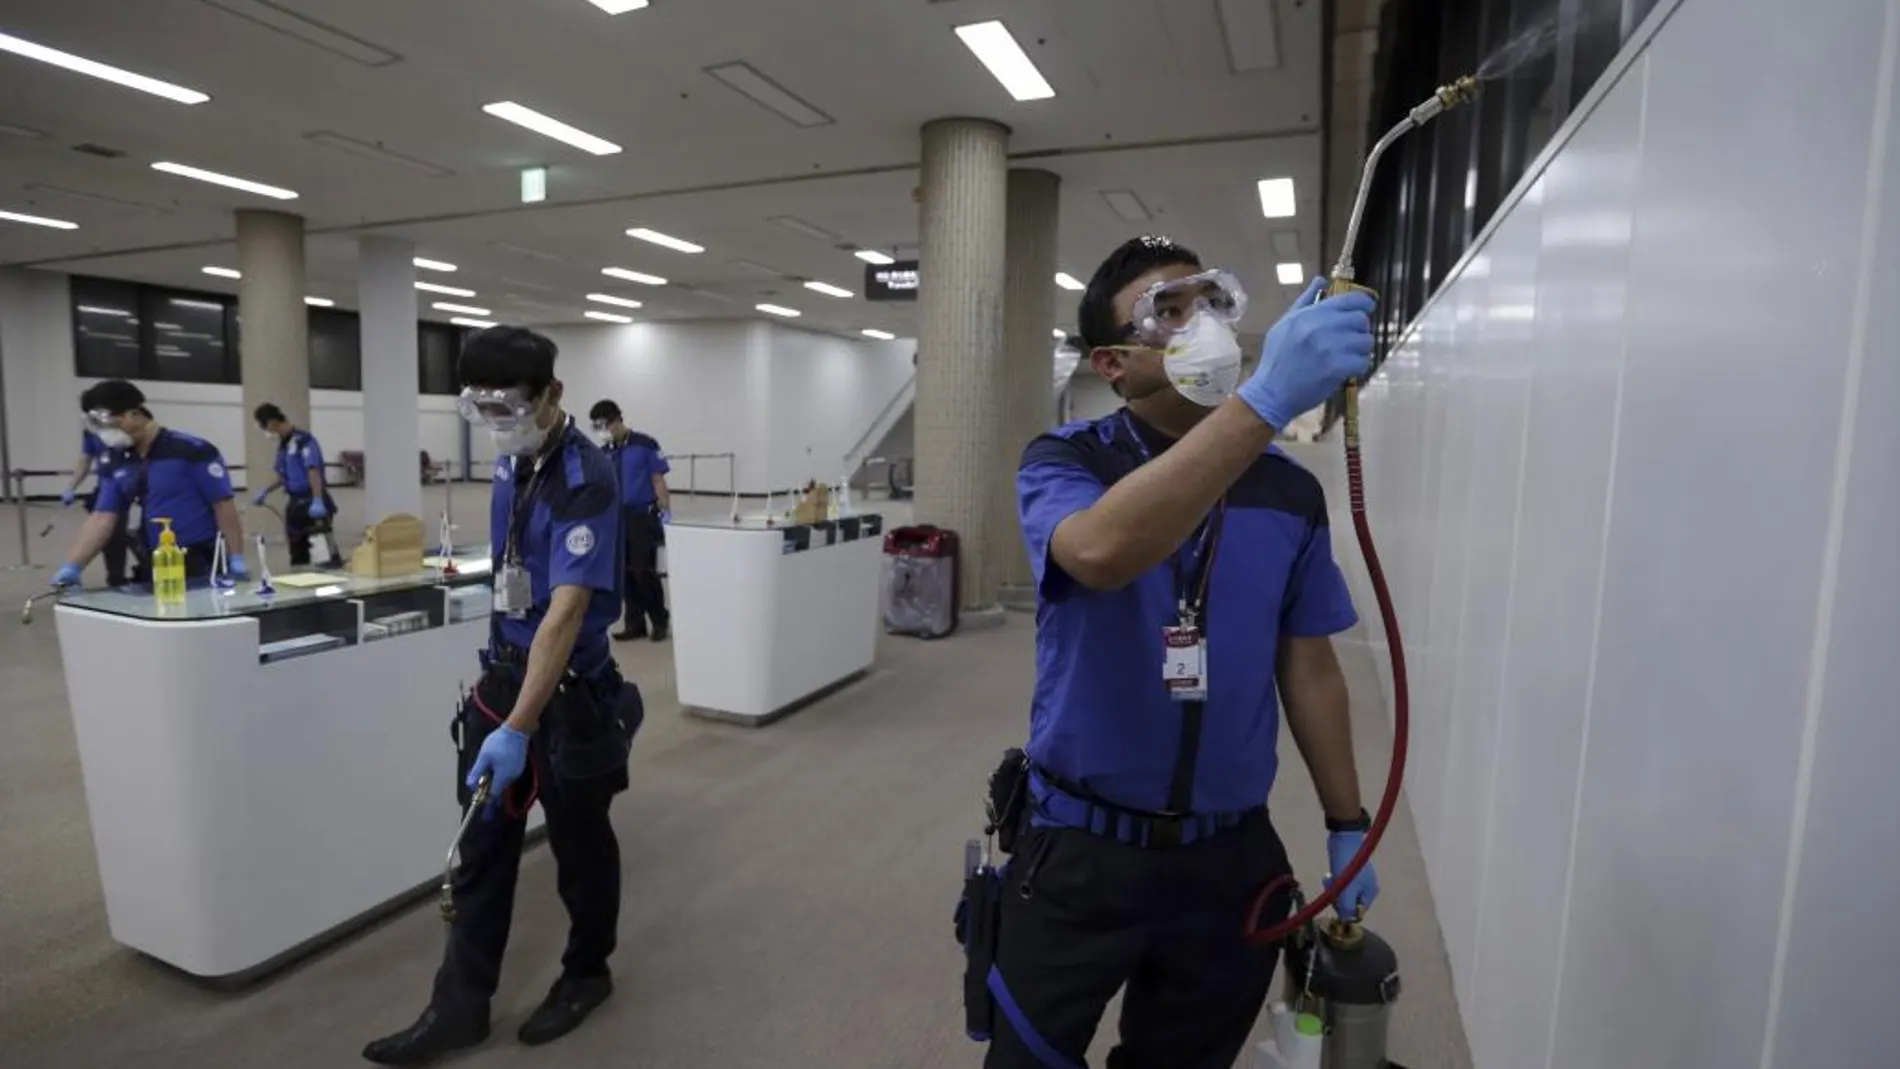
{"x": 1401, "y": 730}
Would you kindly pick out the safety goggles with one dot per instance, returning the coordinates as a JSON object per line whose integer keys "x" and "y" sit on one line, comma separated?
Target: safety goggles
{"x": 601, "y": 426}
{"x": 499, "y": 409}
{"x": 99, "y": 419}
{"x": 1166, "y": 308}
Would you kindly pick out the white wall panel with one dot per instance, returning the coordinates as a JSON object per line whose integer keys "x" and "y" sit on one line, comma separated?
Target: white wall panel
{"x": 1652, "y": 792}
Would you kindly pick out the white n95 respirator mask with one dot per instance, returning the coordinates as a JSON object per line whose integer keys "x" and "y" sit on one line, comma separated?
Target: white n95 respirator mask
{"x": 507, "y": 415}
{"x": 1203, "y": 361}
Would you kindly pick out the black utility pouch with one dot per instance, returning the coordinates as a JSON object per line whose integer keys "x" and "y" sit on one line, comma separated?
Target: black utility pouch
{"x": 1008, "y": 799}
{"x": 591, "y": 727}
{"x": 978, "y": 917}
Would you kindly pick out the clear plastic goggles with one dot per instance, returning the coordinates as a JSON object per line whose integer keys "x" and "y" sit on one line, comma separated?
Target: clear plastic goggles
{"x": 498, "y": 409}
{"x": 99, "y": 419}
{"x": 1168, "y": 307}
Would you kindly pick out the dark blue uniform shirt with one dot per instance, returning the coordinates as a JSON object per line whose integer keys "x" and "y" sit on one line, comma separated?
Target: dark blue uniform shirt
{"x": 1101, "y": 716}
{"x": 638, "y": 460}
{"x": 298, "y": 454}
{"x": 567, "y": 533}
{"x": 179, "y": 479}
{"x": 105, "y": 459}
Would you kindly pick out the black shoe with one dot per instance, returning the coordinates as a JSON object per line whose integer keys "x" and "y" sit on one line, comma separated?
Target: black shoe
{"x": 432, "y": 1036}
{"x": 661, "y": 632}
{"x": 567, "y": 1005}
{"x": 628, "y": 636}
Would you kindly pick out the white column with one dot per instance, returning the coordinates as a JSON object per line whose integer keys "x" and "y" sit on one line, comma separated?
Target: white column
{"x": 274, "y": 331}
{"x": 392, "y": 446}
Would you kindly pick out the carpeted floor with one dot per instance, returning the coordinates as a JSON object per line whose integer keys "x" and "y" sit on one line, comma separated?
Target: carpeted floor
{"x": 787, "y": 898}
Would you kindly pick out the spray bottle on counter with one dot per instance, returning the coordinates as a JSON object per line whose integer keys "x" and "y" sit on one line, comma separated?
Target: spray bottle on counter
{"x": 168, "y": 566}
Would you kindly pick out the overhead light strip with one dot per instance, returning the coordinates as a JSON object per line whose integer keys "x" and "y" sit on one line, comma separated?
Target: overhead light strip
{"x": 880, "y": 335}
{"x": 465, "y": 321}
{"x": 779, "y": 310}
{"x": 1290, "y": 274}
{"x": 223, "y": 272}
{"x": 1276, "y": 198}
{"x": 463, "y": 309}
{"x": 608, "y": 298}
{"x": 319, "y": 302}
{"x": 828, "y": 289}
{"x": 547, "y": 126}
{"x": 997, "y": 50}
{"x": 446, "y": 291}
{"x": 665, "y": 241}
{"x": 244, "y": 184}
{"x": 607, "y": 316}
{"x": 1068, "y": 281}
{"x": 38, "y": 220}
{"x": 432, "y": 265}
{"x": 633, "y": 276}
{"x": 618, "y": 7}
{"x": 104, "y": 72}
{"x": 872, "y": 256}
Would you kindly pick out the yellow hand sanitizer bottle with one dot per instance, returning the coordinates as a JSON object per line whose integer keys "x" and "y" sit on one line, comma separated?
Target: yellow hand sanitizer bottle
{"x": 168, "y": 567}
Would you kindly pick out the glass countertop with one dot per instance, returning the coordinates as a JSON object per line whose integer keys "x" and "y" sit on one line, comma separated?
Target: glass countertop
{"x": 203, "y": 602}
{"x": 760, "y": 522}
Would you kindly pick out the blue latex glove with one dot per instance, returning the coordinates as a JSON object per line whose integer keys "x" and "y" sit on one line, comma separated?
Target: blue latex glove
{"x": 1309, "y": 354}
{"x": 259, "y": 497}
{"x": 67, "y": 575}
{"x": 235, "y": 566}
{"x": 318, "y": 510}
{"x": 504, "y": 756}
{"x": 67, "y": 497}
{"x": 1358, "y": 895}
{"x": 666, "y": 515}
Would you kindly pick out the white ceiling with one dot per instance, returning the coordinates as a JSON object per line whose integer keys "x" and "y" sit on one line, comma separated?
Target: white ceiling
{"x": 1146, "y": 100}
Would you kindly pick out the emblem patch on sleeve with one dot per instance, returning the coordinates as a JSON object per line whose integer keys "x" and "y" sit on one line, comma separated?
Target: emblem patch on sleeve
{"x": 580, "y": 540}
{"x": 216, "y": 469}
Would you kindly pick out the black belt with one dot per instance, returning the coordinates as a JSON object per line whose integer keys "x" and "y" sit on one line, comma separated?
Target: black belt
{"x": 1074, "y": 805}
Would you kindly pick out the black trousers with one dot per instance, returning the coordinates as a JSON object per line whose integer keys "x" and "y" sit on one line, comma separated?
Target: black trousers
{"x": 1084, "y": 915}
{"x": 117, "y": 547}
{"x": 298, "y": 526}
{"x": 586, "y": 856}
{"x": 644, "y": 595}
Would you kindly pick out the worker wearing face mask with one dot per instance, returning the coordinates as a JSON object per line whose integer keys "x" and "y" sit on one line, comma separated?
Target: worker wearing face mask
{"x": 96, "y": 457}
{"x": 551, "y": 720}
{"x": 168, "y": 474}
{"x": 1186, "y": 589}
{"x": 648, "y": 507}
{"x": 299, "y": 468}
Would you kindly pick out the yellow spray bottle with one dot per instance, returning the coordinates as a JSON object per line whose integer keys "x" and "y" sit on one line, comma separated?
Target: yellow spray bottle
{"x": 168, "y": 566}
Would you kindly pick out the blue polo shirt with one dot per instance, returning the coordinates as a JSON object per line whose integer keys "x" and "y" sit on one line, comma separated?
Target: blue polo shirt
{"x": 179, "y": 479}
{"x": 298, "y": 454}
{"x": 105, "y": 459}
{"x": 638, "y": 460}
{"x": 567, "y": 532}
{"x": 1101, "y": 716}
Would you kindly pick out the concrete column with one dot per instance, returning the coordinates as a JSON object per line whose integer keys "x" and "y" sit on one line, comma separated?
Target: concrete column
{"x": 1029, "y": 317}
{"x": 959, "y": 433}
{"x": 274, "y": 330}
{"x": 386, "y": 302}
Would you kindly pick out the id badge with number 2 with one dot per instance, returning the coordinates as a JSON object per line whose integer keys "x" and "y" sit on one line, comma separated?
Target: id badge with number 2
{"x": 513, "y": 592}
{"x": 1184, "y": 663}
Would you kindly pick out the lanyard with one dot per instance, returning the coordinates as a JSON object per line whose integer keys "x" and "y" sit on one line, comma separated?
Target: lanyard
{"x": 1190, "y": 585}
{"x": 522, "y": 508}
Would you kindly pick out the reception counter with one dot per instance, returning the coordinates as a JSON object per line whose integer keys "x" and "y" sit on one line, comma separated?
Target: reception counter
{"x": 767, "y": 618}
{"x": 264, "y": 773}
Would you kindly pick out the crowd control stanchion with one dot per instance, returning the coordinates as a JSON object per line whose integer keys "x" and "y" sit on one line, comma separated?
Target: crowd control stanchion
{"x": 16, "y": 481}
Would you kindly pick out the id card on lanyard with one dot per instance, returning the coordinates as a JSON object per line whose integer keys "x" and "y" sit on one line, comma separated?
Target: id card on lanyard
{"x": 514, "y": 588}
{"x": 1184, "y": 643}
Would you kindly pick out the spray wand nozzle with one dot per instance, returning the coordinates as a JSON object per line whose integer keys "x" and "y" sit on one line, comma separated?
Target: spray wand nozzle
{"x": 445, "y": 897}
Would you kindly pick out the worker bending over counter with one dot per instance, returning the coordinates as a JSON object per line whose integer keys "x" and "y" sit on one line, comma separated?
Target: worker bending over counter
{"x": 551, "y": 720}
{"x": 1184, "y": 574}
{"x": 299, "y": 468}
{"x": 169, "y": 474}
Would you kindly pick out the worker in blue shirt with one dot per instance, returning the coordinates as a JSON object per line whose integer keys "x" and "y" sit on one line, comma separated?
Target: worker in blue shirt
{"x": 96, "y": 457}
{"x": 169, "y": 475}
{"x": 299, "y": 467}
{"x": 551, "y": 720}
{"x": 648, "y": 506}
{"x": 1186, "y": 590}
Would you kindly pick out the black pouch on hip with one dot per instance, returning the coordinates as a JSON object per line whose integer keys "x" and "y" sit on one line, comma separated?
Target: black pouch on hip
{"x": 1008, "y": 799}
{"x": 978, "y": 917}
{"x": 591, "y": 727}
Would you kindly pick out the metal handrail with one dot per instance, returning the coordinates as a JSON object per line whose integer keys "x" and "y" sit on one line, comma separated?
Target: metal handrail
{"x": 908, "y": 388}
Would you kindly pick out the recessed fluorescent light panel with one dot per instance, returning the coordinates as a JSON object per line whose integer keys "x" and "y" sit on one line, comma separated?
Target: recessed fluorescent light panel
{"x": 446, "y": 291}
{"x": 1068, "y": 282}
{"x": 1276, "y": 198}
{"x": 1125, "y": 204}
{"x": 1253, "y": 36}
{"x": 768, "y": 94}
{"x": 223, "y": 272}
{"x": 95, "y": 69}
{"x": 509, "y": 111}
{"x": 1290, "y": 274}
{"x": 534, "y": 185}
{"x": 800, "y": 226}
{"x": 38, "y": 220}
{"x": 618, "y": 7}
{"x": 607, "y": 316}
{"x": 828, "y": 289}
{"x": 608, "y": 298}
{"x": 433, "y": 265}
{"x": 216, "y": 179}
{"x": 633, "y": 276}
{"x": 1061, "y": 335}
{"x": 357, "y": 147}
{"x": 319, "y": 302}
{"x": 273, "y": 16}
{"x": 664, "y": 241}
{"x": 465, "y": 321}
{"x": 780, "y": 310}
{"x": 460, "y": 309}
{"x": 872, "y": 256}
{"x": 998, "y": 50}
{"x": 880, "y": 335}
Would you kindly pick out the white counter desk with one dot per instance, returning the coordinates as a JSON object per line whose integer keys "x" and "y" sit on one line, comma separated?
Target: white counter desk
{"x": 768, "y": 618}
{"x": 244, "y": 811}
